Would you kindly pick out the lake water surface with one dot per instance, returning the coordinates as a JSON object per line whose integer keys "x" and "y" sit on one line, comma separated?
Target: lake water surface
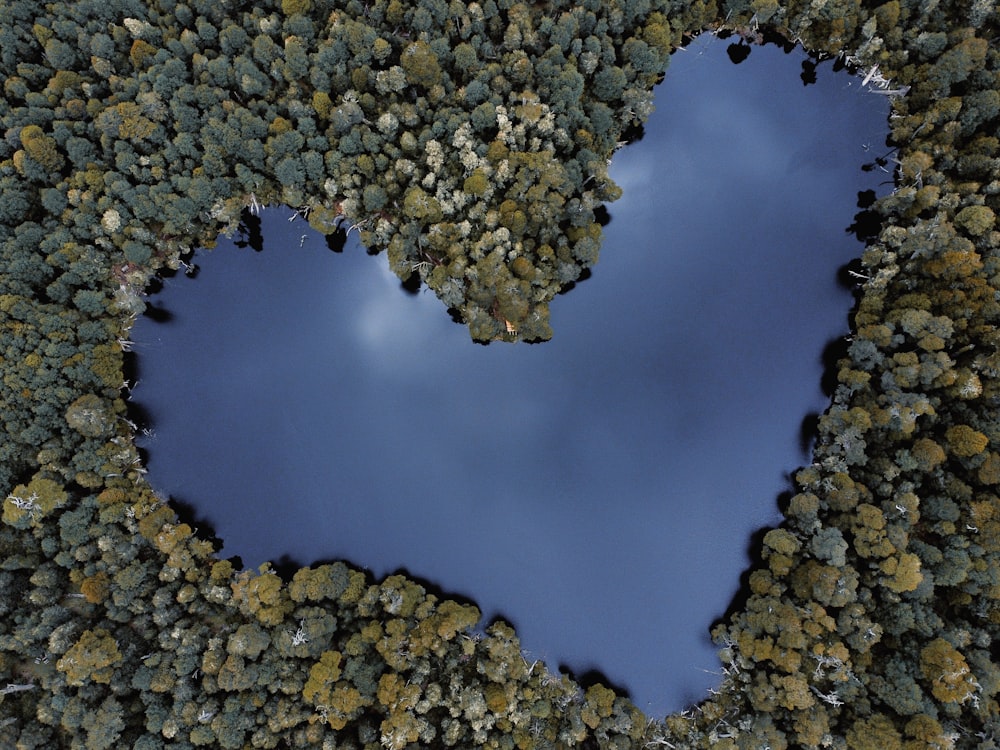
{"x": 599, "y": 490}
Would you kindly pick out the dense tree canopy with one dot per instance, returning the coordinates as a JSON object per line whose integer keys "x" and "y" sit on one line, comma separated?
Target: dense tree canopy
{"x": 469, "y": 142}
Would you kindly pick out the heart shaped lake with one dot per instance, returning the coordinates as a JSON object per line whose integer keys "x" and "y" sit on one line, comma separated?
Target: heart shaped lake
{"x": 599, "y": 490}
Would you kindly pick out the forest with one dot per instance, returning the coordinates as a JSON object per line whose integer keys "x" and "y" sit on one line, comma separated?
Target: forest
{"x": 469, "y": 142}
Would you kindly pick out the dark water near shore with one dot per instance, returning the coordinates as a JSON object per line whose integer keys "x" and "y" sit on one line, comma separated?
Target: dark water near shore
{"x": 599, "y": 490}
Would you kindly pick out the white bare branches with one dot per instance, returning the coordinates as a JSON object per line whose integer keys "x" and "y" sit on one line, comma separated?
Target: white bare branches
{"x": 15, "y": 688}
{"x": 299, "y": 637}
{"x": 28, "y": 503}
{"x": 255, "y": 205}
{"x": 359, "y": 226}
{"x": 832, "y": 697}
{"x": 881, "y": 84}
{"x": 824, "y": 662}
{"x": 658, "y": 740}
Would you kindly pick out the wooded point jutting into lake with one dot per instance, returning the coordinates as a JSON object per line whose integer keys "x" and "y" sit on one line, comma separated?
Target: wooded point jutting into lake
{"x": 470, "y": 143}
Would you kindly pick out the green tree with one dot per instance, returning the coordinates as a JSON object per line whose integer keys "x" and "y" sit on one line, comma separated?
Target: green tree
{"x": 420, "y": 64}
{"x": 955, "y": 65}
{"x": 104, "y": 726}
{"x": 874, "y": 733}
{"x": 976, "y": 220}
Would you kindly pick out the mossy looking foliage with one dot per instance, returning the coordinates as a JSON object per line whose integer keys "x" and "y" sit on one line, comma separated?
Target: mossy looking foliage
{"x": 469, "y": 140}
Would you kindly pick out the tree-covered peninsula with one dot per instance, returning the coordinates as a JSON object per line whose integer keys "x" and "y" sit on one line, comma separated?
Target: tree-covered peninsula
{"x": 469, "y": 141}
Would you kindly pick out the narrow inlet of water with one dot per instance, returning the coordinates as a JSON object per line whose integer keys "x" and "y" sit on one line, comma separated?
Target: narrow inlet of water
{"x": 599, "y": 490}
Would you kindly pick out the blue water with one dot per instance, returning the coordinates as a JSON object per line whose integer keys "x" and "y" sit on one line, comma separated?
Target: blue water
{"x": 599, "y": 490}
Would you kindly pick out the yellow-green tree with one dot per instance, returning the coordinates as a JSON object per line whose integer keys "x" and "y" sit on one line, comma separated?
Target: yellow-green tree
{"x": 946, "y": 670}
{"x": 93, "y": 658}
